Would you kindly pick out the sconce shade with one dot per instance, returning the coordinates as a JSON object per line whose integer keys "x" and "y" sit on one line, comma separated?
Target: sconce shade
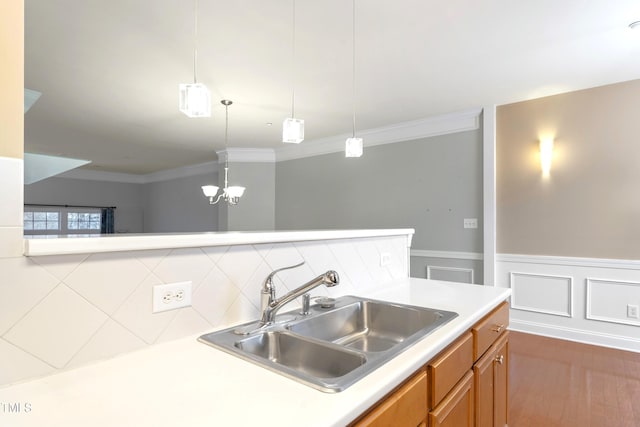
{"x": 210, "y": 190}
{"x": 353, "y": 147}
{"x": 195, "y": 100}
{"x": 293, "y": 131}
{"x": 546, "y": 155}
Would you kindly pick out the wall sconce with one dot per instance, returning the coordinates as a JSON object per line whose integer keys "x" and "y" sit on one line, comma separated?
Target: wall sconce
{"x": 546, "y": 155}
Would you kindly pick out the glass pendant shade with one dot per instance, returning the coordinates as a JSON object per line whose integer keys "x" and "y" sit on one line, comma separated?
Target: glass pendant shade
{"x": 195, "y": 100}
{"x": 210, "y": 190}
{"x": 235, "y": 191}
{"x": 353, "y": 147}
{"x": 293, "y": 131}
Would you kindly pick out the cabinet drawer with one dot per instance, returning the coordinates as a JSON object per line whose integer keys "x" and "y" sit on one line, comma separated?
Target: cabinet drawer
{"x": 447, "y": 369}
{"x": 456, "y": 410}
{"x": 486, "y": 331}
{"x": 406, "y": 407}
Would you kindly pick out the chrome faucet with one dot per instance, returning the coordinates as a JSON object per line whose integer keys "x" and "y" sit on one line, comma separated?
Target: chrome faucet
{"x": 269, "y": 305}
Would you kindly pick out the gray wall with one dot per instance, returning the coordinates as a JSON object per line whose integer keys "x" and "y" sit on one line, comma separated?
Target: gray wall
{"x": 66, "y": 191}
{"x": 430, "y": 184}
{"x": 256, "y": 210}
{"x": 178, "y": 205}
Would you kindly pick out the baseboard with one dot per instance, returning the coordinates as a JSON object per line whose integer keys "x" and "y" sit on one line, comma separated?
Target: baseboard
{"x": 576, "y": 335}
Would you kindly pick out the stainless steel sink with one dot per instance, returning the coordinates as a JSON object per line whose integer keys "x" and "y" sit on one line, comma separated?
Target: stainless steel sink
{"x": 331, "y": 348}
{"x": 368, "y": 325}
{"x": 303, "y": 355}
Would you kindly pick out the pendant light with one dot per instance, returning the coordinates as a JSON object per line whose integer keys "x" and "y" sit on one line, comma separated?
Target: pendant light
{"x": 195, "y": 99}
{"x": 292, "y": 128}
{"x": 231, "y": 194}
{"x": 353, "y": 145}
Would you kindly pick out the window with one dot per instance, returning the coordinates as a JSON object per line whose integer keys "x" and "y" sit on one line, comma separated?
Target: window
{"x": 41, "y": 221}
{"x": 48, "y": 220}
{"x": 83, "y": 221}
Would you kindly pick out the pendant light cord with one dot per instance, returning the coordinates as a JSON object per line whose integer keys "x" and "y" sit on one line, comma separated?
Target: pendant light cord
{"x": 293, "y": 59}
{"x": 226, "y": 139}
{"x": 353, "y": 67}
{"x": 195, "y": 41}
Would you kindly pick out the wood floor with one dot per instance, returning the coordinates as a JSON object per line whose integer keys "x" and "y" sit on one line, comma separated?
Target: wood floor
{"x": 556, "y": 383}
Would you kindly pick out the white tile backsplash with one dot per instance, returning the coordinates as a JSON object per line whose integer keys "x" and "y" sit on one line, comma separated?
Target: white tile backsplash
{"x": 58, "y": 312}
{"x": 107, "y": 279}
{"x": 57, "y": 327}
{"x": 19, "y": 364}
{"x": 109, "y": 341}
{"x": 137, "y": 316}
{"x": 214, "y": 296}
{"x": 11, "y": 241}
{"x": 181, "y": 265}
{"x": 60, "y": 265}
{"x": 12, "y": 196}
{"x": 23, "y": 285}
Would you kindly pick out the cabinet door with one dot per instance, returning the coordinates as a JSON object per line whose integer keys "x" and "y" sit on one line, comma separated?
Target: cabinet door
{"x": 407, "y": 407}
{"x": 501, "y": 382}
{"x": 483, "y": 381}
{"x": 491, "y": 382}
{"x": 456, "y": 410}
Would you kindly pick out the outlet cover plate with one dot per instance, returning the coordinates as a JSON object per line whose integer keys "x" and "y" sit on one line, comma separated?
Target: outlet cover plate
{"x": 471, "y": 223}
{"x": 385, "y": 259}
{"x": 171, "y": 296}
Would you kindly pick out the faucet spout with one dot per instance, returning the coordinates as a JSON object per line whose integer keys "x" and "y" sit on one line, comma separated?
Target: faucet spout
{"x": 269, "y": 310}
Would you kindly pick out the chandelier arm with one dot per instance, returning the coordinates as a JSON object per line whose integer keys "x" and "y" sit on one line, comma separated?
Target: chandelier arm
{"x": 211, "y": 202}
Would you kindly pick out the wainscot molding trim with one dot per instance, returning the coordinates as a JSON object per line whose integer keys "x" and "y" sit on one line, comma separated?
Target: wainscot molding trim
{"x": 590, "y": 309}
{"x": 431, "y": 268}
{"x": 475, "y": 256}
{"x": 570, "y": 261}
{"x": 514, "y": 294}
{"x": 443, "y": 124}
{"x": 577, "y": 335}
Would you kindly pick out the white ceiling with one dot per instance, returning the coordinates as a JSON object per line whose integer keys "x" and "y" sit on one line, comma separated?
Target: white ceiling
{"x": 109, "y": 71}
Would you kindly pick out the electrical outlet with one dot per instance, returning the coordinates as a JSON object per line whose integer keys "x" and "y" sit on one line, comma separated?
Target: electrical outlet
{"x": 385, "y": 259}
{"x": 632, "y": 311}
{"x": 470, "y": 223}
{"x": 171, "y": 296}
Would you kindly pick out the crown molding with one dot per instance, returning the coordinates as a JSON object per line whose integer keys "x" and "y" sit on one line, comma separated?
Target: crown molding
{"x": 129, "y": 178}
{"x": 247, "y": 155}
{"x": 443, "y": 124}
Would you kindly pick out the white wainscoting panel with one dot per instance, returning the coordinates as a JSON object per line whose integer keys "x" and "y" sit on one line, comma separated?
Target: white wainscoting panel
{"x": 542, "y": 293}
{"x": 577, "y": 299}
{"x": 450, "y": 274}
{"x": 607, "y": 300}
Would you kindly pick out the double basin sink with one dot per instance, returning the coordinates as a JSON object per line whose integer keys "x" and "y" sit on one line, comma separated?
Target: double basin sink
{"x": 330, "y": 348}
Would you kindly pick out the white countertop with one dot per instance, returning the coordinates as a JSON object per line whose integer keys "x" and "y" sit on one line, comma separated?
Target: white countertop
{"x": 187, "y": 383}
{"x": 80, "y": 244}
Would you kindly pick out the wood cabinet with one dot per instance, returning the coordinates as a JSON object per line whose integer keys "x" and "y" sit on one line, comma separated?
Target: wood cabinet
{"x": 491, "y": 385}
{"x": 404, "y": 407}
{"x": 457, "y": 409}
{"x": 466, "y": 385}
